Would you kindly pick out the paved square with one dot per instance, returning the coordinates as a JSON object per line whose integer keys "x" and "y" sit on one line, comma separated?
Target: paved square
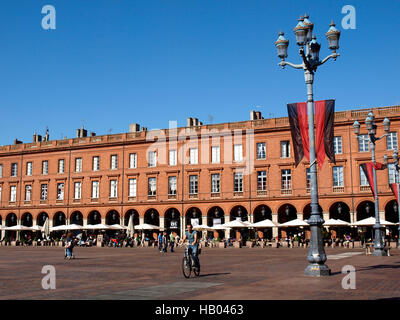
{"x": 231, "y": 273}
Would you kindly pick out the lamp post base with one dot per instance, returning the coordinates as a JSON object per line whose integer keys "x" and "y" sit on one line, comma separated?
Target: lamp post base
{"x": 317, "y": 270}
{"x": 379, "y": 253}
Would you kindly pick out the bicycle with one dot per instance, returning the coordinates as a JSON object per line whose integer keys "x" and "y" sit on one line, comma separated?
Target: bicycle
{"x": 188, "y": 264}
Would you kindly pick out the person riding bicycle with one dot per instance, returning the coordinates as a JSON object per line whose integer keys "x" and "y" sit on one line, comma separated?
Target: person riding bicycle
{"x": 191, "y": 236}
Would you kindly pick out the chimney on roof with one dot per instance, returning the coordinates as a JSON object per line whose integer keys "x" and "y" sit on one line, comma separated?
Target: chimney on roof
{"x": 255, "y": 115}
{"x": 47, "y": 136}
{"x": 92, "y": 134}
{"x": 16, "y": 141}
{"x": 37, "y": 138}
{"x": 193, "y": 122}
{"x": 189, "y": 122}
{"x": 144, "y": 128}
{"x": 81, "y": 133}
{"x": 134, "y": 127}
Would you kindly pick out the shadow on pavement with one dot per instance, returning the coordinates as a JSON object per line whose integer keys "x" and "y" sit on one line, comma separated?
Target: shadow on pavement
{"x": 213, "y": 274}
{"x": 379, "y": 266}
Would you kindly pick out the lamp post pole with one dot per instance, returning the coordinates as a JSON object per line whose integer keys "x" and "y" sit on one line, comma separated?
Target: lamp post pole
{"x": 379, "y": 246}
{"x": 397, "y": 168}
{"x": 304, "y": 37}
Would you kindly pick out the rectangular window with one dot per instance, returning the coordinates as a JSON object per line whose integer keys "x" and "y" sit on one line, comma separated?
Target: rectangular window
{"x": 237, "y": 153}
{"x": 152, "y": 158}
{"x": 261, "y": 180}
{"x": 0, "y": 192}
{"x": 392, "y": 173}
{"x": 96, "y": 163}
{"x": 172, "y": 185}
{"x": 391, "y": 141}
{"x": 172, "y": 158}
{"x": 114, "y": 162}
{"x": 45, "y": 167}
{"x": 113, "y": 188}
{"x": 215, "y": 154}
{"x": 13, "y": 193}
{"x": 14, "y": 169}
{"x": 95, "y": 189}
{"x": 215, "y": 183}
{"x": 29, "y": 168}
{"x": 193, "y": 159}
{"x": 78, "y": 193}
{"x": 363, "y": 178}
{"x": 43, "y": 192}
{"x": 285, "y": 149}
{"x": 61, "y": 166}
{"x": 338, "y": 176}
{"x": 132, "y": 161}
{"x": 132, "y": 187}
{"x": 60, "y": 191}
{"x": 238, "y": 182}
{"x": 1, "y": 171}
{"x": 28, "y": 193}
{"x": 152, "y": 187}
{"x": 363, "y": 143}
{"x": 261, "y": 151}
{"x": 78, "y": 165}
{"x": 337, "y": 145}
{"x": 308, "y": 178}
{"x": 286, "y": 179}
{"x": 193, "y": 184}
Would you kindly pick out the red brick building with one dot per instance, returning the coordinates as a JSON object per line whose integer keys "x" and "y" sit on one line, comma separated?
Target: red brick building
{"x": 217, "y": 171}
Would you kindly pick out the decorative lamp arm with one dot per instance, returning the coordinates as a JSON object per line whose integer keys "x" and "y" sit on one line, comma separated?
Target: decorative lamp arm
{"x": 296, "y": 66}
{"x": 333, "y": 56}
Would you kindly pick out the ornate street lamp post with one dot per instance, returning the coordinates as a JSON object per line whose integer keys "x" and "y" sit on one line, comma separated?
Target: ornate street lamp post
{"x": 304, "y": 37}
{"x": 379, "y": 246}
{"x": 397, "y": 168}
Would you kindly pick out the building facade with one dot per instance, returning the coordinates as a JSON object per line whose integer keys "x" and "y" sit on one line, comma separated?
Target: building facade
{"x": 210, "y": 173}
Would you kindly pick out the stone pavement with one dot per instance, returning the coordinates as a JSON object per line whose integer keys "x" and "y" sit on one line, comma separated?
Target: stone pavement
{"x": 231, "y": 273}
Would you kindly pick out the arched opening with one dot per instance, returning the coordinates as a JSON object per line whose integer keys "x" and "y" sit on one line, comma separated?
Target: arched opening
{"x": 307, "y": 211}
{"x": 59, "y": 219}
{"x": 261, "y": 213}
{"x": 76, "y": 218}
{"x": 193, "y": 216}
{"x": 112, "y": 217}
{"x": 41, "y": 218}
{"x": 94, "y": 217}
{"x": 239, "y": 213}
{"x": 392, "y": 215}
{"x": 135, "y": 217}
{"x": 172, "y": 221}
{"x": 340, "y": 211}
{"x": 11, "y": 220}
{"x": 27, "y": 219}
{"x": 287, "y": 212}
{"x": 365, "y": 209}
{"x": 215, "y": 217}
{"x": 151, "y": 216}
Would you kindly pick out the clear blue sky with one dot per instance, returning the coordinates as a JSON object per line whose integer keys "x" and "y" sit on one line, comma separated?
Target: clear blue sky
{"x": 114, "y": 62}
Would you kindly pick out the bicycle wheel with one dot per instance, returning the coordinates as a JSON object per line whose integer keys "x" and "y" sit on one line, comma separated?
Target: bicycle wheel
{"x": 186, "y": 267}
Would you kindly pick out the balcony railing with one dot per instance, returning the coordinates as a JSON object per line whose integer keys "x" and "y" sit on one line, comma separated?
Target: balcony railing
{"x": 365, "y": 188}
{"x": 285, "y": 192}
{"x": 338, "y": 189}
{"x": 261, "y": 193}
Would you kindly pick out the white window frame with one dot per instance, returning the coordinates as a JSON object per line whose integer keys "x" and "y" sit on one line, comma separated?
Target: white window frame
{"x": 338, "y": 176}
{"x": 152, "y": 186}
{"x": 391, "y": 173}
{"x": 43, "y": 192}
{"x": 95, "y": 189}
{"x": 215, "y": 183}
{"x": 363, "y": 143}
{"x": 285, "y": 149}
{"x": 61, "y": 165}
{"x": 45, "y": 167}
{"x": 114, "y": 162}
{"x": 172, "y": 185}
{"x": 132, "y": 187}
{"x": 172, "y": 158}
{"x": 238, "y": 182}
{"x": 363, "y": 178}
{"x": 78, "y": 164}
{"x": 193, "y": 156}
{"x": 215, "y": 154}
{"x": 286, "y": 179}
{"x": 391, "y": 141}
{"x": 60, "y": 191}
{"x": 1, "y": 171}
{"x": 113, "y": 188}
{"x": 132, "y": 161}
{"x": 77, "y": 190}
{"x": 14, "y": 169}
{"x": 194, "y": 184}
{"x": 96, "y": 163}
{"x": 337, "y": 145}
{"x": 29, "y": 168}
{"x": 152, "y": 158}
{"x": 28, "y": 192}
{"x": 13, "y": 193}
{"x": 261, "y": 151}
{"x": 262, "y": 180}
{"x": 237, "y": 152}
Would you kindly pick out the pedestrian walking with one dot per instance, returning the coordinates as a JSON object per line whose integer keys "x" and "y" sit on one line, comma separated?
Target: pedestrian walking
{"x": 160, "y": 242}
{"x": 165, "y": 242}
{"x": 172, "y": 241}
{"x": 69, "y": 245}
